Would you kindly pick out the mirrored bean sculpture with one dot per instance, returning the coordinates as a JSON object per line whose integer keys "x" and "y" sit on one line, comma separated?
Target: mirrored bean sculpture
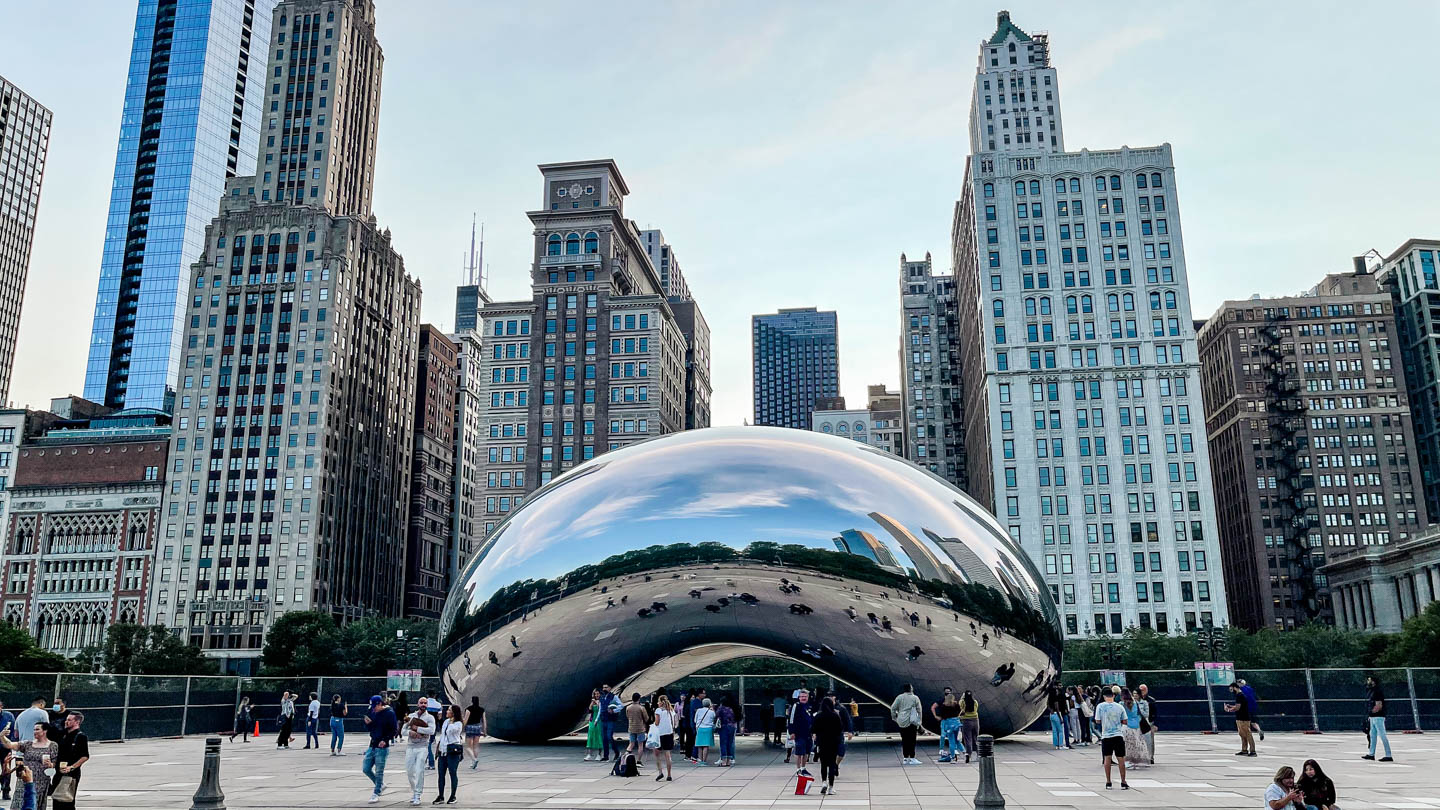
{"x": 651, "y": 562}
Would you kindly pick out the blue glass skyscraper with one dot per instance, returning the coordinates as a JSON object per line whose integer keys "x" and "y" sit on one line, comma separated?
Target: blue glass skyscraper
{"x": 191, "y": 119}
{"x": 796, "y": 363}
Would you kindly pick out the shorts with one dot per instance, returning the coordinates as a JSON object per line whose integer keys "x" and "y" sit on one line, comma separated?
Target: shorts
{"x": 840, "y": 752}
{"x": 1112, "y": 745}
{"x": 474, "y": 730}
{"x": 638, "y": 738}
{"x": 802, "y": 745}
{"x": 667, "y": 742}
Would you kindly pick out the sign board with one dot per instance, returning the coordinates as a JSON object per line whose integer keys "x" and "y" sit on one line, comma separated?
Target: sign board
{"x": 1112, "y": 677}
{"x": 1214, "y": 673}
{"x": 402, "y": 679}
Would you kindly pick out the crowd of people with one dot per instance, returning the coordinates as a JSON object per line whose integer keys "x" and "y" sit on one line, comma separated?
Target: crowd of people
{"x": 43, "y": 752}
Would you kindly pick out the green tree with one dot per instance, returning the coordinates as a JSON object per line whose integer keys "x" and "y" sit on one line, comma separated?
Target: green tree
{"x": 21, "y": 654}
{"x": 302, "y": 642}
{"x": 1418, "y": 642}
{"x": 368, "y": 646}
{"x": 149, "y": 650}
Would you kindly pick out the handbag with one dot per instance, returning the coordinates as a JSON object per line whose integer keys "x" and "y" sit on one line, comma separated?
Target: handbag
{"x": 64, "y": 789}
{"x": 454, "y": 750}
{"x": 652, "y": 739}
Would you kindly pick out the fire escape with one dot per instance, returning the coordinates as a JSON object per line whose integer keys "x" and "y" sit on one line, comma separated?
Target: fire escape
{"x": 1294, "y": 500}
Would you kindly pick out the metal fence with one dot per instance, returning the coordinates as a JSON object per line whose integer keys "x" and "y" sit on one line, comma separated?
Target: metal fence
{"x": 119, "y": 707}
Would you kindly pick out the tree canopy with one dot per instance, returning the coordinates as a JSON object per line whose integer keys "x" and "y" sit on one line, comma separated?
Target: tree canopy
{"x": 310, "y": 643}
{"x": 139, "y": 649}
{"x": 21, "y": 654}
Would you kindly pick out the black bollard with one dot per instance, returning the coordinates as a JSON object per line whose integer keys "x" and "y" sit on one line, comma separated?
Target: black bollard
{"x": 987, "y": 793}
{"x": 209, "y": 796}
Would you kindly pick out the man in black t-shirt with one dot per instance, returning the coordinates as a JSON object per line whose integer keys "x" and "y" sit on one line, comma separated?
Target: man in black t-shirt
{"x": 74, "y": 752}
{"x": 1375, "y": 710}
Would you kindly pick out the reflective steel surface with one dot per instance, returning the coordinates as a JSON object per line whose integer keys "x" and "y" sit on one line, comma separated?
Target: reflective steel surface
{"x": 649, "y": 563}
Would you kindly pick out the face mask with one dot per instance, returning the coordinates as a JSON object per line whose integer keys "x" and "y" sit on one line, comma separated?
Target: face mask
{"x": 57, "y": 707}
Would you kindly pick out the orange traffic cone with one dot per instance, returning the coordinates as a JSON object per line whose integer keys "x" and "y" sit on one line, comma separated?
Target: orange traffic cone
{"x": 257, "y": 728}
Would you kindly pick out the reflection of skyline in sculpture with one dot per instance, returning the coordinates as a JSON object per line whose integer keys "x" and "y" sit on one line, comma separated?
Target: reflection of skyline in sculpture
{"x": 864, "y": 544}
{"x": 641, "y": 567}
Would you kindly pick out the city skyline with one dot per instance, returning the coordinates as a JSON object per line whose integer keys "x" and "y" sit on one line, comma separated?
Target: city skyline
{"x": 693, "y": 186}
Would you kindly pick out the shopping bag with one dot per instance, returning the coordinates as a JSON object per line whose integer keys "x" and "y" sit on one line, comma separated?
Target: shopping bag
{"x": 803, "y": 784}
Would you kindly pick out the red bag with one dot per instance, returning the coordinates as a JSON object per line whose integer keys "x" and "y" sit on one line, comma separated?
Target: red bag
{"x": 803, "y": 784}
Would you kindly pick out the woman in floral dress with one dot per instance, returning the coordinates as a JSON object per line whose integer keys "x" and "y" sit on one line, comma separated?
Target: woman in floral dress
{"x": 38, "y": 755}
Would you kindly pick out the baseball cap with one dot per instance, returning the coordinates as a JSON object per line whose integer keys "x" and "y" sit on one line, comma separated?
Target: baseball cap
{"x": 376, "y": 699}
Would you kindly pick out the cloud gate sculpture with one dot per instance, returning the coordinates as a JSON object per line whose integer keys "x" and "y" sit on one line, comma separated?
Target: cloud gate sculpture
{"x": 649, "y": 563}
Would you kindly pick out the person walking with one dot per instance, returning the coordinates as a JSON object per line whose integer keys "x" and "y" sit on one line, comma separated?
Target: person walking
{"x": 969, "y": 723}
{"x": 727, "y": 724}
{"x": 1319, "y": 791}
{"x": 704, "y": 731}
{"x": 73, "y": 751}
{"x": 1149, "y": 712}
{"x": 1375, "y": 711}
{"x": 1111, "y": 717}
{"x": 39, "y": 755}
{"x": 665, "y": 721}
{"x": 800, "y": 726}
{"x": 611, "y": 713}
{"x": 419, "y": 728}
{"x": 829, "y": 738}
{"x": 312, "y": 721}
{"x": 381, "y": 722}
{"x": 338, "y": 712}
{"x": 242, "y": 720}
{"x": 949, "y": 714}
{"x": 286, "y": 720}
{"x": 450, "y": 743}
{"x": 1241, "y": 709}
{"x": 592, "y": 729}
{"x": 1254, "y": 700}
{"x": 475, "y": 729}
{"x": 905, "y": 711}
{"x": 637, "y": 723}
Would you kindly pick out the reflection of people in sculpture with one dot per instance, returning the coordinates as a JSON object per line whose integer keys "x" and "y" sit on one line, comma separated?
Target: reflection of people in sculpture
{"x": 885, "y": 622}
{"x": 914, "y": 653}
{"x": 467, "y": 662}
{"x": 873, "y": 618}
{"x": 850, "y": 611}
{"x": 1003, "y": 673}
{"x": 984, "y": 640}
{"x": 494, "y": 659}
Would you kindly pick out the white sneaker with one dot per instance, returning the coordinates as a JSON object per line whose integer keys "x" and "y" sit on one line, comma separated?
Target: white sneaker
{"x": 589, "y": 758}
{"x": 374, "y": 798}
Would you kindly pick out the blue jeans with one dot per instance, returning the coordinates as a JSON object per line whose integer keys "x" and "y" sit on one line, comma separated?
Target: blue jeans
{"x": 727, "y": 742}
{"x": 607, "y": 739}
{"x": 448, "y": 764}
{"x": 950, "y": 736}
{"x": 1057, "y": 730}
{"x": 337, "y": 734}
{"x": 312, "y": 731}
{"x": 1377, "y": 731}
{"x": 374, "y": 766}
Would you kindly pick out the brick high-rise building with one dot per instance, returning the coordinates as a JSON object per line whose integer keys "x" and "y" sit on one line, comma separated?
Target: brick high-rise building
{"x": 1311, "y": 443}
{"x": 291, "y": 461}
{"x": 191, "y": 121}
{"x": 930, "y": 351}
{"x": 24, "y": 145}
{"x": 596, "y": 359}
{"x": 431, "y": 535}
{"x": 469, "y": 450}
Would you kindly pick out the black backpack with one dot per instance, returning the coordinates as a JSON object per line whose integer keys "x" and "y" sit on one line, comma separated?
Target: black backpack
{"x": 625, "y": 766}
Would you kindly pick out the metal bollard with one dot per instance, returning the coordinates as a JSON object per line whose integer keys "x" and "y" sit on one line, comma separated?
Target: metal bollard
{"x": 209, "y": 796}
{"x": 987, "y": 793}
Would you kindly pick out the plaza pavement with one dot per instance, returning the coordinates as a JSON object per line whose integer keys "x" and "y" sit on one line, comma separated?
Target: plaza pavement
{"x": 1195, "y": 771}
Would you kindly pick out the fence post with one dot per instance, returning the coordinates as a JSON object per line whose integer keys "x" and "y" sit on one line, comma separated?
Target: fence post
{"x": 55, "y": 697}
{"x": 1310, "y": 691}
{"x": 1414, "y": 704}
{"x": 320, "y": 690}
{"x": 185, "y": 711}
{"x": 742, "y": 696}
{"x": 125, "y": 712}
{"x": 1210, "y": 704}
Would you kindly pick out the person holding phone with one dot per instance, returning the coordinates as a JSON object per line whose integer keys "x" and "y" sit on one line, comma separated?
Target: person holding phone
{"x": 1282, "y": 793}
{"x": 38, "y": 755}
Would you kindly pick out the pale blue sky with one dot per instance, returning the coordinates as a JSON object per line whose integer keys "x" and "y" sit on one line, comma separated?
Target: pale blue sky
{"x": 791, "y": 151}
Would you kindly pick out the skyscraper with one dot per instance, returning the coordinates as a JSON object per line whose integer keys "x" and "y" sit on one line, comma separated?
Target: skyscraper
{"x": 428, "y": 549}
{"x": 1078, "y": 356}
{"x": 1409, "y": 275}
{"x": 24, "y": 142}
{"x": 471, "y": 296}
{"x": 469, "y": 449}
{"x": 191, "y": 121}
{"x": 662, "y": 258}
{"x": 795, "y": 363}
{"x": 1311, "y": 443}
{"x": 930, "y": 351}
{"x": 596, "y": 359}
{"x": 291, "y": 460}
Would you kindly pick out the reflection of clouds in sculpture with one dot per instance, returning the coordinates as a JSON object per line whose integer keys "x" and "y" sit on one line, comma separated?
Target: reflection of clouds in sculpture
{"x": 810, "y": 528}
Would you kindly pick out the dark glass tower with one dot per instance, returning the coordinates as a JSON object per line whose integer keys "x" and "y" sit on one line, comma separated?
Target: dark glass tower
{"x": 796, "y": 363}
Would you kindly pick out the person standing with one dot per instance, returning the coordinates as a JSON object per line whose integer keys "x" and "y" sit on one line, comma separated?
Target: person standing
{"x": 28, "y": 719}
{"x": 1057, "y": 709}
{"x": 242, "y": 720}
{"x": 7, "y": 722}
{"x": 948, "y": 713}
{"x": 697, "y": 700}
{"x": 610, "y": 717}
{"x": 1135, "y": 751}
{"x": 437, "y": 709}
{"x": 38, "y": 754}
{"x": 383, "y": 727}
{"x": 1149, "y": 712}
{"x": 419, "y": 728}
{"x": 312, "y": 721}
{"x": 829, "y": 737}
{"x": 1375, "y": 710}
{"x": 726, "y": 723}
{"x": 58, "y": 713}
{"x": 704, "y": 731}
{"x": 1241, "y": 709}
{"x": 74, "y": 751}
{"x": 934, "y": 713}
{"x": 475, "y": 729}
{"x": 665, "y": 721}
{"x": 905, "y": 711}
{"x": 1072, "y": 699}
{"x": 449, "y": 742}
{"x": 969, "y": 723}
{"x": 592, "y": 729}
{"x": 286, "y": 720}
{"x": 800, "y": 725}
{"x": 637, "y": 723}
{"x": 1111, "y": 717}
{"x": 1087, "y": 712}
{"x": 339, "y": 710}
{"x": 777, "y": 722}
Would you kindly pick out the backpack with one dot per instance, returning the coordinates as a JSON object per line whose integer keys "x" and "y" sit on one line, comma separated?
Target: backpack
{"x": 625, "y": 766}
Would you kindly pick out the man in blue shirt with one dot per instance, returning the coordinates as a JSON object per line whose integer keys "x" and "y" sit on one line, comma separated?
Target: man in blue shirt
{"x": 697, "y": 699}
{"x": 1111, "y": 717}
{"x": 801, "y": 725}
{"x": 383, "y": 726}
{"x": 610, "y": 716}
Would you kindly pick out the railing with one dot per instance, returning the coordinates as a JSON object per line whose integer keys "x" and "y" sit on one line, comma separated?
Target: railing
{"x": 120, "y": 707}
